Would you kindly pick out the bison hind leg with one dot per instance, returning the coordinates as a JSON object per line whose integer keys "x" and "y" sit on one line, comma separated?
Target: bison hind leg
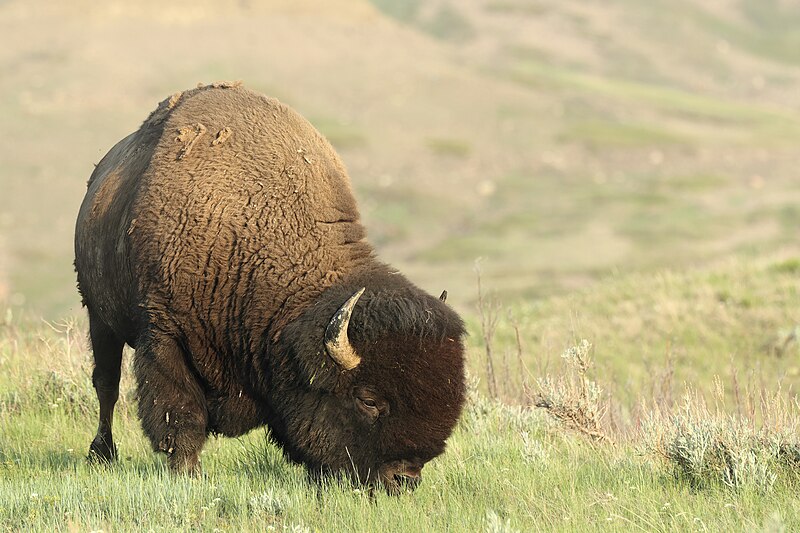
{"x": 172, "y": 406}
{"x": 107, "y": 352}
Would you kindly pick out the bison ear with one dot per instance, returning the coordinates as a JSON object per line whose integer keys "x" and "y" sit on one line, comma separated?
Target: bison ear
{"x": 336, "y": 341}
{"x": 443, "y": 296}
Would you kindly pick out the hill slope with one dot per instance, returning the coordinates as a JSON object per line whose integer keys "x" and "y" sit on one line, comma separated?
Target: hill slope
{"x": 654, "y": 334}
{"x": 560, "y": 142}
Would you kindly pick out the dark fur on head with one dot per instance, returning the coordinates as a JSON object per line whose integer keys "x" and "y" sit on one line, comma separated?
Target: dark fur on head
{"x": 412, "y": 360}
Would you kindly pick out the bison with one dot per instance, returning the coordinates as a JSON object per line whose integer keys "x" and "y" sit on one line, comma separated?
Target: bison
{"x": 222, "y": 242}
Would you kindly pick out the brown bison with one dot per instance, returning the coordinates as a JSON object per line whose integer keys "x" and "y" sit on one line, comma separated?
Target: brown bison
{"x": 222, "y": 242}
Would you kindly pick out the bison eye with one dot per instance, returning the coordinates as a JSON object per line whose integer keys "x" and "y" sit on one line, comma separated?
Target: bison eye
{"x": 370, "y": 403}
{"x": 369, "y": 407}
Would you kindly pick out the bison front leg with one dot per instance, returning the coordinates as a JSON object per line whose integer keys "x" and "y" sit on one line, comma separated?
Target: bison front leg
{"x": 172, "y": 405}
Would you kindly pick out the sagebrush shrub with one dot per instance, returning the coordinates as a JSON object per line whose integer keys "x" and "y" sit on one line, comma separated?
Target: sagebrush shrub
{"x": 707, "y": 447}
{"x": 574, "y": 399}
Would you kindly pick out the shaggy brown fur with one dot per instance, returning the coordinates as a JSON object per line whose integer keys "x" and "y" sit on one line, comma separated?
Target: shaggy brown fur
{"x": 219, "y": 240}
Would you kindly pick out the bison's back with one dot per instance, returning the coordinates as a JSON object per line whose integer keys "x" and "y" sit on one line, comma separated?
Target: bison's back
{"x": 223, "y": 214}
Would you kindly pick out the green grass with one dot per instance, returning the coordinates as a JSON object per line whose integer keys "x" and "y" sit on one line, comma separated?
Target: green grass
{"x": 751, "y": 123}
{"x": 448, "y": 24}
{"x": 540, "y": 231}
{"x": 503, "y": 464}
{"x": 769, "y": 29}
{"x": 516, "y": 8}
{"x": 506, "y": 468}
{"x": 737, "y": 319}
{"x": 389, "y": 210}
{"x": 402, "y": 10}
{"x": 340, "y": 134}
{"x": 447, "y": 146}
{"x": 445, "y": 23}
{"x": 597, "y": 134}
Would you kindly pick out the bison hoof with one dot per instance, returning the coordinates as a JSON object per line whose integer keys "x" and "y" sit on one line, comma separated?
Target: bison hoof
{"x": 102, "y": 451}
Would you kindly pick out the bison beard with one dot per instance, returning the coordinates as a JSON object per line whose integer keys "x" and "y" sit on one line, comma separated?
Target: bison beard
{"x": 222, "y": 242}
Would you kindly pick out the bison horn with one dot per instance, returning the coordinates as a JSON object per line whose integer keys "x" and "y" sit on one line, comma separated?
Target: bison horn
{"x": 443, "y": 296}
{"x": 336, "y": 341}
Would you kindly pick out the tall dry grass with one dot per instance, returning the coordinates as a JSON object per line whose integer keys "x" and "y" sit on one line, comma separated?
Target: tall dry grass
{"x": 703, "y": 439}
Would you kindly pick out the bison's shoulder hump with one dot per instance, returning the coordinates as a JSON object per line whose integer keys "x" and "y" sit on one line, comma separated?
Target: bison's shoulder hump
{"x": 223, "y": 111}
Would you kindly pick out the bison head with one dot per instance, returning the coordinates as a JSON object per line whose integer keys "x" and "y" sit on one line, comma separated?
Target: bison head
{"x": 369, "y": 383}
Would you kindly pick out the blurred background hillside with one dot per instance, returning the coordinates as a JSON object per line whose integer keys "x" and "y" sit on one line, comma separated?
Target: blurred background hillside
{"x": 564, "y": 143}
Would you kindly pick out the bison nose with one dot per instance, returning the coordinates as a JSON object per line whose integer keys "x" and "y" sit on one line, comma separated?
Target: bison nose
{"x": 410, "y": 476}
{"x": 407, "y": 480}
{"x": 413, "y": 471}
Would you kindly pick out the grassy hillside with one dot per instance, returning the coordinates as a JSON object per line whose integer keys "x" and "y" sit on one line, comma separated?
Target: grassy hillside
{"x": 739, "y": 320}
{"x": 624, "y": 171}
{"x": 560, "y": 143}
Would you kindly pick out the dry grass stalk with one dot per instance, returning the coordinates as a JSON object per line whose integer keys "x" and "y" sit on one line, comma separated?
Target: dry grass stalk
{"x": 489, "y": 316}
{"x": 574, "y": 400}
{"x": 521, "y": 394}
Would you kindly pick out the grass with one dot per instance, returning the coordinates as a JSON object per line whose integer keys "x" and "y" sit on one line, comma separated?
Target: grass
{"x": 389, "y": 208}
{"x": 706, "y": 447}
{"x": 515, "y": 8}
{"x": 402, "y": 10}
{"x": 342, "y": 135}
{"x": 541, "y": 230}
{"x": 448, "y": 24}
{"x": 751, "y": 123}
{"x": 446, "y": 146}
{"x": 597, "y": 134}
{"x": 507, "y": 468}
{"x": 769, "y": 29}
{"x": 737, "y": 320}
{"x": 445, "y": 23}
